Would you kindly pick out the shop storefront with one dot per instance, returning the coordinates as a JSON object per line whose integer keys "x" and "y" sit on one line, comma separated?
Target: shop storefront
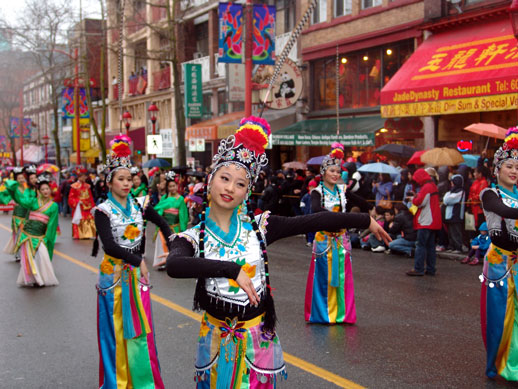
{"x": 459, "y": 76}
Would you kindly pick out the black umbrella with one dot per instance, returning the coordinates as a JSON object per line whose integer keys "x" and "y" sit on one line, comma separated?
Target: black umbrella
{"x": 180, "y": 169}
{"x": 195, "y": 173}
{"x": 402, "y": 151}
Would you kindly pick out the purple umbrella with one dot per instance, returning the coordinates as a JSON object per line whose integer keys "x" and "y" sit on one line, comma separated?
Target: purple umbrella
{"x": 316, "y": 160}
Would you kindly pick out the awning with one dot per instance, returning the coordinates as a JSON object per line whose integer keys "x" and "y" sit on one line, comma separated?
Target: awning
{"x": 472, "y": 69}
{"x": 322, "y": 132}
{"x": 209, "y": 128}
{"x": 277, "y": 118}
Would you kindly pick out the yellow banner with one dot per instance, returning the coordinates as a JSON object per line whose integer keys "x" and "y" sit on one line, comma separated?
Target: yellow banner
{"x": 445, "y": 107}
{"x": 84, "y": 140}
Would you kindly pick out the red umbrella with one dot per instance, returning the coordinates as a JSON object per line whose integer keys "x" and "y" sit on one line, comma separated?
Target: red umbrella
{"x": 416, "y": 158}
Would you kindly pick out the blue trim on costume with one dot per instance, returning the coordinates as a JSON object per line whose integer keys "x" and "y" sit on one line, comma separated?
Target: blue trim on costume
{"x": 126, "y": 211}
{"x": 107, "y": 339}
{"x": 319, "y": 309}
{"x": 227, "y": 237}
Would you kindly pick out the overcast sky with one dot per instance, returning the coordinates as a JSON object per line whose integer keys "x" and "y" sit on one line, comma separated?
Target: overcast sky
{"x": 13, "y": 8}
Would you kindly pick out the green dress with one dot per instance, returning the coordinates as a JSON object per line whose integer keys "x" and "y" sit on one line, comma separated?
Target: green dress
{"x": 20, "y": 214}
{"x": 140, "y": 191}
{"x": 174, "y": 211}
{"x": 36, "y": 238}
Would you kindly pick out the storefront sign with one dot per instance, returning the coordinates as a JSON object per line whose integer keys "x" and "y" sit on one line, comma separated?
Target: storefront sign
{"x": 193, "y": 90}
{"x": 288, "y": 87}
{"x": 464, "y": 145}
{"x": 196, "y": 145}
{"x": 473, "y": 104}
{"x": 236, "y": 82}
{"x": 209, "y": 132}
{"x": 167, "y": 143}
{"x": 323, "y": 139}
{"x": 471, "y": 70}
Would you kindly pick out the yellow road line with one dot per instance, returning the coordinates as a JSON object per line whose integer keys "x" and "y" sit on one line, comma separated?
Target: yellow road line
{"x": 291, "y": 359}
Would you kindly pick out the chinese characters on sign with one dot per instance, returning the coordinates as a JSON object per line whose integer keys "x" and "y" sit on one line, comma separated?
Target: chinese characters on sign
{"x": 193, "y": 92}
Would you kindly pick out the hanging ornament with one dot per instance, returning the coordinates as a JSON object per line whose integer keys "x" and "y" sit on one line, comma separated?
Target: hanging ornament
{"x": 491, "y": 284}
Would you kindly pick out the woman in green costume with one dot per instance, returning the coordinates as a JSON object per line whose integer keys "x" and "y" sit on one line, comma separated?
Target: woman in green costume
{"x": 173, "y": 209}
{"x": 20, "y": 213}
{"x": 37, "y": 235}
{"x": 139, "y": 188}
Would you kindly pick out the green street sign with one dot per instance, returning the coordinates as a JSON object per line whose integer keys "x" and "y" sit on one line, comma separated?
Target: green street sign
{"x": 193, "y": 91}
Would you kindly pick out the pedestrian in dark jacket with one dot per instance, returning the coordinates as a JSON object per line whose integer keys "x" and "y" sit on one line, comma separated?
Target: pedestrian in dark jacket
{"x": 403, "y": 230}
{"x": 427, "y": 221}
{"x": 270, "y": 199}
{"x": 454, "y": 213}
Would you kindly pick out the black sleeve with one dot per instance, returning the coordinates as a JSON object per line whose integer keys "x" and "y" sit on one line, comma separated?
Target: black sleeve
{"x": 181, "y": 263}
{"x": 359, "y": 201}
{"x": 493, "y": 203}
{"x": 281, "y": 227}
{"x": 110, "y": 247}
{"x": 316, "y": 202}
{"x": 154, "y": 217}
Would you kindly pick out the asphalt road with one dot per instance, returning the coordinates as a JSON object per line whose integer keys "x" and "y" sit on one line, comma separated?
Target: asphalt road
{"x": 412, "y": 332}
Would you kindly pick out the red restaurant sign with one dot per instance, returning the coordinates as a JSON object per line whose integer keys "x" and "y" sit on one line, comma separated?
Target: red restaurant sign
{"x": 470, "y": 70}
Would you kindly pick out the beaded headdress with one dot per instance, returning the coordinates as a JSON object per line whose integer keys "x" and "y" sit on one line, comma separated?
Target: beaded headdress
{"x": 509, "y": 150}
{"x": 43, "y": 179}
{"x": 119, "y": 157}
{"x": 334, "y": 158}
{"x": 31, "y": 169}
{"x": 17, "y": 171}
{"x": 134, "y": 171}
{"x": 170, "y": 176}
{"x": 245, "y": 148}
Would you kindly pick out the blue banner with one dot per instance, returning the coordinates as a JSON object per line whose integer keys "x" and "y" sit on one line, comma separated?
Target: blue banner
{"x": 263, "y": 51}
{"x": 231, "y": 48}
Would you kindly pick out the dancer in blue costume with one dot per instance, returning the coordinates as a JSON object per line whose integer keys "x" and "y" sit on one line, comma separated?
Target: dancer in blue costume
{"x": 499, "y": 303}
{"x": 237, "y": 345}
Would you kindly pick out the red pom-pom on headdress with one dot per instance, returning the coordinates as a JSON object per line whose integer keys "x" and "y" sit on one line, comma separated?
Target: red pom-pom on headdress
{"x": 253, "y": 133}
{"x": 337, "y": 150}
{"x": 120, "y": 145}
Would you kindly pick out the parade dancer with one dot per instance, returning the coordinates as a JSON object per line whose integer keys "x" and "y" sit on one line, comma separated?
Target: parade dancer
{"x": 173, "y": 209}
{"x": 37, "y": 235}
{"x": 139, "y": 188}
{"x": 81, "y": 202}
{"x": 128, "y": 355}
{"x": 226, "y": 252}
{"x": 499, "y": 278}
{"x": 20, "y": 213}
{"x": 330, "y": 286}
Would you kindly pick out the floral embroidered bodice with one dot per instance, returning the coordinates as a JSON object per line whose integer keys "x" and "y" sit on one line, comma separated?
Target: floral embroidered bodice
{"x": 239, "y": 245}
{"x": 127, "y": 223}
{"x": 332, "y": 199}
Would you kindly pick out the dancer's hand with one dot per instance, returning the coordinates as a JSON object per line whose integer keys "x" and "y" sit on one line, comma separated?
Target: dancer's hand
{"x": 379, "y": 232}
{"x": 144, "y": 272}
{"x": 246, "y": 284}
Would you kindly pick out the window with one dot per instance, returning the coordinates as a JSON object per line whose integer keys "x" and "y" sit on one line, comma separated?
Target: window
{"x": 202, "y": 38}
{"x": 320, "y": 12}
{"x": 370, "y": 3}
{"x": 285, "y": 15}
{"x": 343, "y": 7}
{"x": 361, "y": 76}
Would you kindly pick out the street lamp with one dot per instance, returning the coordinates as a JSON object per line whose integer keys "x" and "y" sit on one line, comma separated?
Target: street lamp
{"x": 513, "y": 15}
{"x": 126, "y": 117}
{"x": 45, "y": 140}
{"x": 153, "y": 109}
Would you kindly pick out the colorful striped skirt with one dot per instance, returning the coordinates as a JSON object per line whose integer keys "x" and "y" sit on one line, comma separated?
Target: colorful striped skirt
{"x": 35, "y": 265}
{"x": 237, "y": 354}
{"x": 499, "y": 313}
{"x": 330, "y": 286}
{"x": 128, "y": 355}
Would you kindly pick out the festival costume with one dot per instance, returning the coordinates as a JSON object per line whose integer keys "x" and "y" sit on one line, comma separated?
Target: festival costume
{"x": 20, "y": 214}
{"x": 140, "y": 191}
{"x": 36, "y": 238}
{"x": 499, "y": 299}
{"x": 175, "y": 213}
{"x": 80, "y": 192}
{"x": 237, "y": 345}
{"x": 128, "y": 354}
{"x": 330, "y": 285}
